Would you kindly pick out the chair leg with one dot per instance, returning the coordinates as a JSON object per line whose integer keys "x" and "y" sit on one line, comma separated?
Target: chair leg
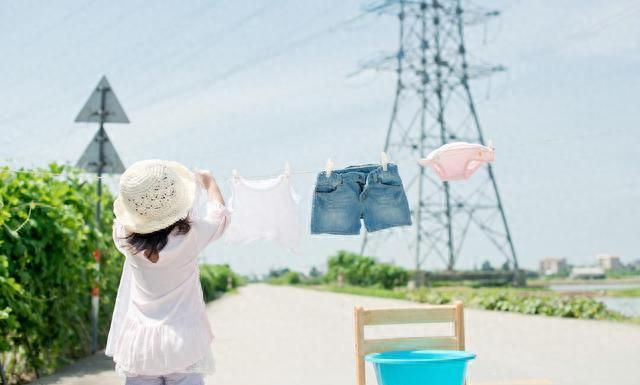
{"x": 359, "y": 340}
{"x": 360, "y": 375}
{"x": 459, "y": 325}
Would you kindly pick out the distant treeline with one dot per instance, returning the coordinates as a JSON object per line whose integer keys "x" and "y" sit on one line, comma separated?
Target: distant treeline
{"x": 347, "y": 268}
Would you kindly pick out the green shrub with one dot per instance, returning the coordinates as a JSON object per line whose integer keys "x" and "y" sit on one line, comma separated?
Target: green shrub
{"x": 356, "y": 269}
{"x": 511, "y": 300}
{"x": 214, "y": 280}
{"x": 389, "y": 276}
{"x": 359, "y": 270}
{"x": 48, "y": 234}
{"x": 287, "y": 278}
{"x": 311, "y": 281}
{"x": 275, "y": 273}
{"x": 518, "y": 301}
{"x": 292, "y": 278}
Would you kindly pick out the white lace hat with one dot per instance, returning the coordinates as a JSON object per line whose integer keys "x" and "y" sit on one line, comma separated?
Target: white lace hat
{"x": 153, "y": 195}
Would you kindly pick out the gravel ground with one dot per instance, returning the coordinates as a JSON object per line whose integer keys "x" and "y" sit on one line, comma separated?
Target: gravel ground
{"x": 270, "y": 335}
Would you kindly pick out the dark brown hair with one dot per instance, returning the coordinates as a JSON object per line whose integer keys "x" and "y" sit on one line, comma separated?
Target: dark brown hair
{"x": 152, "y": 243}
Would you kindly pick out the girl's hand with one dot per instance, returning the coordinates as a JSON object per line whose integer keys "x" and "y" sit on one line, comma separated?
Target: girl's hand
{"x": 204, "y": 177}
{"x": 210, "y": 185}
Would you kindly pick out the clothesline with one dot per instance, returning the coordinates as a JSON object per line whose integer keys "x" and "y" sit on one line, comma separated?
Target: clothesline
{"x": 33, "y": 204}
{"x": 280, "y": 217}
{"x": 229, "y": 178}
{"x": 106, "y": 176}
{"x": 275, "y": 174}
{"x": 529, "y": 145}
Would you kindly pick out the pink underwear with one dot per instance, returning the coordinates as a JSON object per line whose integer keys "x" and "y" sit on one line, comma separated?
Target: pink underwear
{"x": 458, "y": 161}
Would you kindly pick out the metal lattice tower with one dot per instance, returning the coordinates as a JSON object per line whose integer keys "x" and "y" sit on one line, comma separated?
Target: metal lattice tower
{"x": 434, "y": 105}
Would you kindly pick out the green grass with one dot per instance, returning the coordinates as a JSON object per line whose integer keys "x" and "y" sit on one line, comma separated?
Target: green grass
{"x": 633, "y": 292}
{"x": 517, "y": 300}
{"x": 560, "y": 281}
{"x": 213, "y": 279}
{"x": 623, "y": 274}
{"x": 365, "y": 291}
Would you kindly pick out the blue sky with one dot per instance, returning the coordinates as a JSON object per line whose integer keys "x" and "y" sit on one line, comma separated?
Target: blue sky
{"x": 249, "y": 85}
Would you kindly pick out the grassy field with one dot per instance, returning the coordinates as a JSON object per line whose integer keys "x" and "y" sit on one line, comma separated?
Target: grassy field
{"x": 519, "y": 300}
{"x": 633, "y": 292}
{"x": 568, "y": 281}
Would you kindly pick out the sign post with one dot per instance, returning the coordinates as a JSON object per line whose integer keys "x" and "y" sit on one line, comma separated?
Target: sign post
{"x": 100, "y": 157}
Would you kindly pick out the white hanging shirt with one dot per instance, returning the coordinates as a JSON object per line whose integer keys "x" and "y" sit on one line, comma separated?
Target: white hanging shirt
{"x": 264, "y": 209}
{"x": 159, "y": 324}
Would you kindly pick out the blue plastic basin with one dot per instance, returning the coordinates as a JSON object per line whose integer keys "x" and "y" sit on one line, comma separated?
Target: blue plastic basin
{"x": 420, "y": 367}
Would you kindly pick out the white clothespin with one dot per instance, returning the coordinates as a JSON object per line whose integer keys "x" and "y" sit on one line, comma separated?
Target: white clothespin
{"x": 329, "y": 167}
{"x": 490, "y": 144}
{"x": 234, "y": 172}
{"x": 384, "y": 160}
{"x": 287, "y": 169}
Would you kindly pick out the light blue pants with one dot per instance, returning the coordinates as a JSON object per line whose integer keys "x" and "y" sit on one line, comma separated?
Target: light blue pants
{"x": 167, "y": 379}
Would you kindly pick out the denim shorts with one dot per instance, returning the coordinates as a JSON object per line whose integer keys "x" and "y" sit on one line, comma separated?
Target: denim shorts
{"x": 364, "y": 192}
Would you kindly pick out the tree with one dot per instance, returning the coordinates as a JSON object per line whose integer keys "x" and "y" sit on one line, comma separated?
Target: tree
{"x": 486, "y": 266}
{"x": 314, "y": 272}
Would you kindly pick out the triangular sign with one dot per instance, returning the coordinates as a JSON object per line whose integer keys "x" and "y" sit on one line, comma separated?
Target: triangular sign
{"x": 90, "y": 159}
{"x": 113, "y": 112}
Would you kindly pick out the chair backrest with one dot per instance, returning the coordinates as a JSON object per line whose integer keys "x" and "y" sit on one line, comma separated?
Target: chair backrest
{"x": 453, "y": 314}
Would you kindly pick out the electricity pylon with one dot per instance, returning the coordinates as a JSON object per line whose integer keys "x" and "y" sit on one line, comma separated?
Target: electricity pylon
{"x": 433, "y": 105}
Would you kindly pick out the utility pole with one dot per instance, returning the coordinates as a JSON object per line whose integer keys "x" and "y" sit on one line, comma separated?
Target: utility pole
{"x": 100, "y": 157}
{"x": 433, "y": 105}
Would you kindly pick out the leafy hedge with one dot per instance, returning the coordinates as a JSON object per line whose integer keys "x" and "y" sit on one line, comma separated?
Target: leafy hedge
{"x": 287, "y": 278}
{"x": 519, "y": 301}
{"x": 214, "y": 280}
{"x": 633, "y": 292}
{"x": 355, "y": 269}
{"x": 47, "y": 237}
{"x": 503, "y": 299}
{"x": 359, "y": 270}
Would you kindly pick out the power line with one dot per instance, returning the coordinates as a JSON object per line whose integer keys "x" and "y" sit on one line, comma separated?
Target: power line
{"x": 63, "y": 20}
{"x": 30, "y": 109}
{"x": 279, "y": 50}
{"x": 203, "y": 10}
{"x": 589, "y": 31}
{"x": 206, "y": 45}
{"x": 104, "y": 28}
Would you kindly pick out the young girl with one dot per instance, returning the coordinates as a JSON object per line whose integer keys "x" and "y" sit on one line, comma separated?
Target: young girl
{"x": 165, "y": 216}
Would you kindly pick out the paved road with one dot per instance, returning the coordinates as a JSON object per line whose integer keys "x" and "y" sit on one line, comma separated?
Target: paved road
{"x": 268, "y": 335}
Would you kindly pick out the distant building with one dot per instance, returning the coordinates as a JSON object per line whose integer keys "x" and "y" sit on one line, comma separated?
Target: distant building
{"x": 587, "y": 273}
{"x": 553, "y": 266}
{"x": 609, "y": 262}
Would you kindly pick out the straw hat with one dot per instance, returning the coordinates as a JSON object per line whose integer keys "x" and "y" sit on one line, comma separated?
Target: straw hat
{"x": 153, "y": 195}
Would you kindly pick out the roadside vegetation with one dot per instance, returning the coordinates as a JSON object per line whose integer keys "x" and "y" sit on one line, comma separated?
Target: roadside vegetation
{"x": 501, "y": 299}
{"x": 629, "y": 293}
{"x": 360, "y": 275}
{"x": 217, "y": 280}
{"x": 48, "y": 235}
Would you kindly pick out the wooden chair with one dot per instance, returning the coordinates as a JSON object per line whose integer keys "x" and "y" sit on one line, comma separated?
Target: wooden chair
{"x": 415, "y": 315}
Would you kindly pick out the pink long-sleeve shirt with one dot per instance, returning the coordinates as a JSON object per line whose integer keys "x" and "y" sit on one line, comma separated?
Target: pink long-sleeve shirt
{"x": 159, "y": 324}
